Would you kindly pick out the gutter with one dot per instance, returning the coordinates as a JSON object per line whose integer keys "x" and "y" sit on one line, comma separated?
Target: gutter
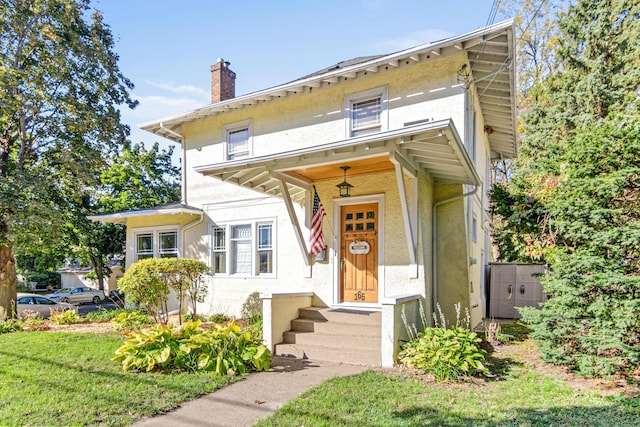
{"x": 434, "y": 243}
{"x": 183, "y": 175}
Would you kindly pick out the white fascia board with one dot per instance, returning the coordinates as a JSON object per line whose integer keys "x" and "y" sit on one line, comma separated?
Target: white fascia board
{"x": 177, "y": 120}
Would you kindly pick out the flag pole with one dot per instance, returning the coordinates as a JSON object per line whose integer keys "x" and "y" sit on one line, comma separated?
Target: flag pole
{"x": 328, "y": 224}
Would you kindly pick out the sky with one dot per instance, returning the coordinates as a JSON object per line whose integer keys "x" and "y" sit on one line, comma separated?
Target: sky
{"x": 166, "y": 48}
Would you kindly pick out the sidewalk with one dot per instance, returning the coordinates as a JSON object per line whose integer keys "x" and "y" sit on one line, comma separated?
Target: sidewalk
{"x": 256, "y": 397}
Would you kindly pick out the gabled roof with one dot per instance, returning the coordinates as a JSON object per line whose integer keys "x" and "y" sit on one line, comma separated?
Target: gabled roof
{"x": 490, "y": 52}
{"x": 168, "y": 209}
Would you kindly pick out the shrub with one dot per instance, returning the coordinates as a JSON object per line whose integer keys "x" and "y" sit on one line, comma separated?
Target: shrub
{"x": 10, "y": 325}
{"x": 219, "y": 318}
{"x": 444, "y": 353}
{"x": 254, "y": 328}
{"x": 102, "y": 315}
{"x": 252, "y": 308}
{"x": 33, "y": 322}
{"x": 148, "y": 282}
{"x": 191, "y": 317}
{"x": 127, "y": 321}
{"x": 143, "y": 284}
{"x": 223, "y": 350}
{"x": 67, "y": 317}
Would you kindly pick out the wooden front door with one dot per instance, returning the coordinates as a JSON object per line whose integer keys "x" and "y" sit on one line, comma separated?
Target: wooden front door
{"x": 359, "y": 253}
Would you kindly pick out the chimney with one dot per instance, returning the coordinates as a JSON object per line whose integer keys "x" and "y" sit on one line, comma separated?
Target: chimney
{"x": 223, "y": 82}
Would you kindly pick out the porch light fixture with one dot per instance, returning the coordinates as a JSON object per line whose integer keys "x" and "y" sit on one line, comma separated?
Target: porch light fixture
{"x": 344, "y": 186}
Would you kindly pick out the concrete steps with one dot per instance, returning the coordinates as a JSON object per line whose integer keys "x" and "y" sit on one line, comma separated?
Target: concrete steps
{"x": 336, "y": 335}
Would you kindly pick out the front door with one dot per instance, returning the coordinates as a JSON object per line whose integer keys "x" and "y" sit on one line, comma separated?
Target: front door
{"x": 359, "y": 253}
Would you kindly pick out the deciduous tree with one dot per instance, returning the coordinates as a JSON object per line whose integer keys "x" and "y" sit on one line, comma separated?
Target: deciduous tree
{"x": 61, "y": 88}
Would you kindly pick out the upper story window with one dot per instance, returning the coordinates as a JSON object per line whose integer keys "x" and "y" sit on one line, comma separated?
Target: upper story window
{"x": 156, "y": 244}
{"x": 366, "y": 112}
{"x": 244, "y": 249}
{"x": 238, "y": 140}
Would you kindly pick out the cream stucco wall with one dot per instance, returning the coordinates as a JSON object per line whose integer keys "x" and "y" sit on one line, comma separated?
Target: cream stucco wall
{"x": 452, "y": 252}
{"x": 427, "y": 90}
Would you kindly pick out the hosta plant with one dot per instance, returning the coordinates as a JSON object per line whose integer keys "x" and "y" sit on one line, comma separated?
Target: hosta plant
{"x": 445, "y": 353}
{"x": 224, "y": 350}
{"x": 10, "y": 325}
{"x": 67, "y": 317}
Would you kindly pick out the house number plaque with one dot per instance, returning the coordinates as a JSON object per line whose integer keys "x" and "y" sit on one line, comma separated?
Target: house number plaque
{"x": 359, "y": 247}
{"x": 360, "y": 296}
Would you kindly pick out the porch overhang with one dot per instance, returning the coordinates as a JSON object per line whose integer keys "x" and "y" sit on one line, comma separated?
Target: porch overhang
{"x": 171, "y": 209}
{"x": 434, "y": 149}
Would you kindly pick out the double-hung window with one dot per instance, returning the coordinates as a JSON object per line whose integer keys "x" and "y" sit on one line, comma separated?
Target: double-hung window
{"x": 156, "y": 244}
{"x": 168, "y": 244}
{"x": 244, "y": 249}
{"x": 366, "y": 112}
{"x": 219, "y": 255}
{"x": 144, "y": 246}
{"x": 238, "y": 140}
{"x": 265, "y": 248}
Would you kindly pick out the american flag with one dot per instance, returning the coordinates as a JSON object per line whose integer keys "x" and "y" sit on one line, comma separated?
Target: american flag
{"x": 317, "y": 238}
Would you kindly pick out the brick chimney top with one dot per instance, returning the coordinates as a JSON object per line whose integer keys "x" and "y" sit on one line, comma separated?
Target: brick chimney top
{"x": 223, "y": 82}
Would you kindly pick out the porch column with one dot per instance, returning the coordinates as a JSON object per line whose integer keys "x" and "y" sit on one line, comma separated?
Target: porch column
{"x": 409, "y": 205}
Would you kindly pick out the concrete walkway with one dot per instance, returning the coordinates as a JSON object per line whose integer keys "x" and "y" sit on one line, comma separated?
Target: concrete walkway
{"x": 256, "y": 397}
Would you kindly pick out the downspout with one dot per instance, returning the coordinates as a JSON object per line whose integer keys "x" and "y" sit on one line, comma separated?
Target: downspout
{"x": 183, "y": 186}
{"x": 434, "y": 235}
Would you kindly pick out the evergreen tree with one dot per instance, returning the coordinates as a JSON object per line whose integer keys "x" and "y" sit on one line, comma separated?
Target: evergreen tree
{"x": 574, "y": 197}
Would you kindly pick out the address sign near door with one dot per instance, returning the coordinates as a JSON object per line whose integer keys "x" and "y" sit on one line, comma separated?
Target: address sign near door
{"x": 359, "y": 247}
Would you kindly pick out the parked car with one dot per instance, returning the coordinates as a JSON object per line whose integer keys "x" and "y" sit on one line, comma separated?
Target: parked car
{"x": 78, "y": 295}
{"x": 40, "y": 304}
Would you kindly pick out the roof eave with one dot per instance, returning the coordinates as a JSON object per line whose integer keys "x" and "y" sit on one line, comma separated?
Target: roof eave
{"x": 173, "y": 123}
{"x": 122, "y": 217}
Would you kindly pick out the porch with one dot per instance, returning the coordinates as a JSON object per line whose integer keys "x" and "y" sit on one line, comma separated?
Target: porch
{"x": 300, "y": 325}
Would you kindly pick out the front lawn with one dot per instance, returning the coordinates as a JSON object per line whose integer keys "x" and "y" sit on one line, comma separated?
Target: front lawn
{"x": 64, "y": 378}
{"x": 523, "y": 394}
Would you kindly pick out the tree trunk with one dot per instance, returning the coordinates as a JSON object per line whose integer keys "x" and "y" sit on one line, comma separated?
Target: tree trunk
{"x": 7, "y": 282}
{"x": 97, "y": 268}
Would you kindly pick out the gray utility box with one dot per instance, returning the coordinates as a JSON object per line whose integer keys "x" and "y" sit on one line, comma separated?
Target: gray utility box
{"x": 514, "y": 285}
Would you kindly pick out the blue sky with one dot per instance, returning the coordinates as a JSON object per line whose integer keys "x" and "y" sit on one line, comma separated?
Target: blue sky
{"x": 167, "y": 47}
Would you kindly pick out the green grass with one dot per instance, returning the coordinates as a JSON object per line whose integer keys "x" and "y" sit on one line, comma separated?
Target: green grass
{"x": 519, "y": 398}
{"x": 68, "y": 379}
{"x": 518, "y": 330}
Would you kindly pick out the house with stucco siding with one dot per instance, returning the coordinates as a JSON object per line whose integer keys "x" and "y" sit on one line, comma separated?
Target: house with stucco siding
{"x": 412, "y": 133}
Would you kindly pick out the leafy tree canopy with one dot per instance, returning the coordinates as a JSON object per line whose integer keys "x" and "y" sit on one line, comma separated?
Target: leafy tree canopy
{"x": 61, "y": 88}
{"x": 574, "y": 195}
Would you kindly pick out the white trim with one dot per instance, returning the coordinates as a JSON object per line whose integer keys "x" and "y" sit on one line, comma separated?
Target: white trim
{"x": 357, "y": 200}
{"x": 226, "y": 225}
{"x": 155, "y": 232}
{"x": 121, "y": 217}
{"x": 366, "y": 95}
{"x": 234, "y": 127}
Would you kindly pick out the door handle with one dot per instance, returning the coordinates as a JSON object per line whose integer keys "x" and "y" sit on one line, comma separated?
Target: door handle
{"x": 521, "y": 289}
{"x": 510, "y": 290}
{"x": 342, "y": 265}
